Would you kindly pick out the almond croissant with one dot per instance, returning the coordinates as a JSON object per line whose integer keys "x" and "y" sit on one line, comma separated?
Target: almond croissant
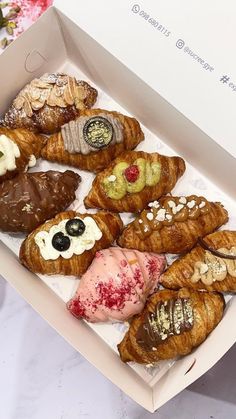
{"x": 19, "y": 149}
{"x": 134, "y": 179}
{"x": 45, "y": 104}
{"x": 93, "y": 140}
{"x": 173, "y": 323}
{"x": 67, "y": 244}
{"x": 29, "y": 199}
{"x": 202, "y": 268}
{"x": 173, "y": 224}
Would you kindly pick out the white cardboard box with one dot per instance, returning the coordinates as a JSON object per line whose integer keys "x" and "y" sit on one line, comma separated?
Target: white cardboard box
{"x": 121, "y": 62}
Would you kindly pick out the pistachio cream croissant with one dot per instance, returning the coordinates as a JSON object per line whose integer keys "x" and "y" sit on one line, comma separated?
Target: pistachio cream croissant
{"x": 67, "y": 244}
{"x": 19, "y": 149}
{"x": 133, "y": 179}
{"x": 173, "y": 323}
{"x": 29, "y": 199}
{"x": 46, "y": 103}
{"x": 210, "y": 265}
{"x": 93, "y": 140}
{"x": 173, "y": 224}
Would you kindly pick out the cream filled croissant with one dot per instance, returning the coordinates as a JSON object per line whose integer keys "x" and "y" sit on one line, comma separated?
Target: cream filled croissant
{"x": 116, "y": 285}
{"x": 210, "y": 265}
{"x": 133, "y": 179}
{"x": 46, "y": 103}
{"x": 29, "y": 199}
{"x": 173, "y": 224}
{"x": 19, "y": 149}
{"x": 173, "y": 323}
{"x": 66, "y": 244}
{"x": 93, "y": 140}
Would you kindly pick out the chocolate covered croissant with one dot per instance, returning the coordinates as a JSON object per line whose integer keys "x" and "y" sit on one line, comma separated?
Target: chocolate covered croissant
{"x": 19, "y": 149}
{"x": 133, "y": 179}
{"x": 67, "y": 244}
{"x": 29, "y": 199}
{"x": 173, "y": 224}
{"x": 173, "y": 323}
{"x": 45, "y": 104}
{"x": 210, "y": 265}
{"x": 93, "y": 140}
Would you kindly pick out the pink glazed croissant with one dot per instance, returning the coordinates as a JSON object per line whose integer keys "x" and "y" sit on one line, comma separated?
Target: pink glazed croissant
{"x": 116, "y": 285}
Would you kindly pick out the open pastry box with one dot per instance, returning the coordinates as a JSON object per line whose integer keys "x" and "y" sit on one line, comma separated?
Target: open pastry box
{"x": 55, "y": 43}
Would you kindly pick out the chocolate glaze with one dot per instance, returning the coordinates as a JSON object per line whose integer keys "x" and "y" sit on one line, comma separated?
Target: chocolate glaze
{"x": 29, "y": 199}
{"x": 215, "y": 252}
{"x": 171, "y": 317}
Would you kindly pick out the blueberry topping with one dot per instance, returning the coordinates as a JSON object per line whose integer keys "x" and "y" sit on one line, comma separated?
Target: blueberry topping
{"x": 60, "y": 242}
{"x": 75, "y": 227}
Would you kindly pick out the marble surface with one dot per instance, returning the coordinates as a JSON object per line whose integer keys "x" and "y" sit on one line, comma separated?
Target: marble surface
{"x": 42, "y": 377}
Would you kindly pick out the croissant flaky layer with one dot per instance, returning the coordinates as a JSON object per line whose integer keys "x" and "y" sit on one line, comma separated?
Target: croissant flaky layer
{"x": 127, "y": 186}
{"x": 153, "y": 232}
{"x": 29, "y": 199}
{"x": 99, "y": 159}
{"x": 45, "y": 104}
{"x": 28, "y": 144}
{"x": 106, "y": 223}
{"x": 201, "y": 269}
{"x": 202, "y": 311}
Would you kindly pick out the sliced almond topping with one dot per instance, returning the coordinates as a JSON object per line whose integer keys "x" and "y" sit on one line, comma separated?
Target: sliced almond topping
{"x": 36, "y": 105}
{"x": 60, "y": 102}
{"x": 27, "y": 107}
{"x": 69, "y": 99}
{"x": 79, "y": 104}
{"x": 34, "y": 93}
{"x": 72, "y": 86}
{"x": 62, "y": 79}
{"x": 80, "y": 92}
{"x": 40, "y": 84}
{"x": 57, "y": 91}
{"x": 44, "y": 95}
{"x": 19, "y": 102}
{"x": 50, "y": 78}
{"x": 51, "y": 101}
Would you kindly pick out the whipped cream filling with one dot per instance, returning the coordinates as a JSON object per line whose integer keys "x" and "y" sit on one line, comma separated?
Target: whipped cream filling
{"x": 32, "y": 161}
{"x": 78, "y": 244}
{"x": 9, "y": 152}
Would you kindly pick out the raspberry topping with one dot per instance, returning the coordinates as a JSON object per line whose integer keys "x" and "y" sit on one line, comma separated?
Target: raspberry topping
{"x": 132, "y": 173}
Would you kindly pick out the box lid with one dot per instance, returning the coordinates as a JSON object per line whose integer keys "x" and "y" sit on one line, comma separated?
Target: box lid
{"x": 182, "y": 51}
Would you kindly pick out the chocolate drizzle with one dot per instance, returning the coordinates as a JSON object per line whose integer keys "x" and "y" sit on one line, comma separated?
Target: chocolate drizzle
{"x": 205, "y": 246}
{"x": 171, "y": 317}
